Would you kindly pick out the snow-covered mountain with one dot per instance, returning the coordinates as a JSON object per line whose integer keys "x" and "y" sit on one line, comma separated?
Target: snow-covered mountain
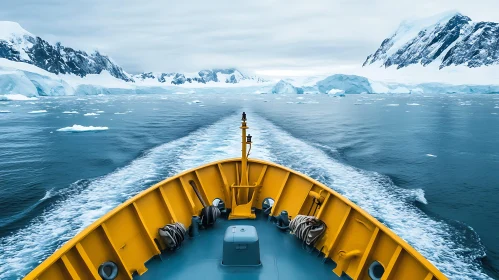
{"x": 228, "y": 76}
{"x": 444, "y": 40}
{"x": 19, "y": 45}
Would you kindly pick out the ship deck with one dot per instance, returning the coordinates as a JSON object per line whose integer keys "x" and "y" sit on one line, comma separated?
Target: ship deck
{"x": 282, "y": 256}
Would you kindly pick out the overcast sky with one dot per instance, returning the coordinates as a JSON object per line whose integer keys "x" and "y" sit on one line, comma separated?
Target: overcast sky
{"x": 266, "y": 37}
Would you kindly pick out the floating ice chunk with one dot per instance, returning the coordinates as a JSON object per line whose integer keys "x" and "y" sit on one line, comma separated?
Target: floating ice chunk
{"x": 201, "y": 105}
{"x": 179, "y": 92}
{"x": 119, "y": 113}
{"x": 197, "y": 101}
{"x": 99, "y": 112}
{"x": 392, "y": 105}
{"x": 413, "y": 104}
{"x": 38, "y": 112}
{"x": 90, "y": 114}
{"x": 70, "y": 112}
{"x": 81, "y": 128}
{"x": 5, "y": 111}
{"x": 430, "y": 155}
{"x": 16, "y": 97}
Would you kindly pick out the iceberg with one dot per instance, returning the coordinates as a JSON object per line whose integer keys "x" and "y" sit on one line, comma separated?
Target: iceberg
{"x": 81, "y": 128}
{"x": 38, "y": 112}
{"x": 284, "y": 87}
{"x": 350, "y": 84}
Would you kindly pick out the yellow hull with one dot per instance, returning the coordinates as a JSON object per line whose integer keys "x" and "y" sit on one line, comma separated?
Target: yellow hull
{"x": 126, "y": 235}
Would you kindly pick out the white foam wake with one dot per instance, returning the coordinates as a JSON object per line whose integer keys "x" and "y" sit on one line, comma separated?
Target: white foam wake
{"x": 86, "y": 202}
{"x": 378, "y": 195}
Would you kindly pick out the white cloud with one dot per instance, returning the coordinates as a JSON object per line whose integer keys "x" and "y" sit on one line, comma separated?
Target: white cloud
{"x": 257, "y": 35}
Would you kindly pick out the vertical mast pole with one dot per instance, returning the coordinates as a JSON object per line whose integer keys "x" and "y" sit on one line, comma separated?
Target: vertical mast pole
{"x": 244, "y": 158}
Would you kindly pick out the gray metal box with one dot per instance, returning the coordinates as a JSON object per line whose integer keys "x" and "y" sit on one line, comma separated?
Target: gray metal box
{"x": 241, "y": 246}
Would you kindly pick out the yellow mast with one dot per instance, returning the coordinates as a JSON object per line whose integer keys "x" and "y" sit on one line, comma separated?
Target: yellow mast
{"x": 244, "y": 155}
{"x": 242, "y": 200}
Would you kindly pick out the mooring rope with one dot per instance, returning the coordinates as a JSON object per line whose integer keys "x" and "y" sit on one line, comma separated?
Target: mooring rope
{"x": 307, "y": 228}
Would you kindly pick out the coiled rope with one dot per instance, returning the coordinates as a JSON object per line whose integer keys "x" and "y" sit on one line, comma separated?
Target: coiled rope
{"x": 173, "y": 235}
{"x": 307, "y": 228}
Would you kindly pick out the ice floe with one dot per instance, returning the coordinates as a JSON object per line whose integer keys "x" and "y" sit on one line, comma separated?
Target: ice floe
{"x": 81, "y": 128}
{"x": 38, "y": 112}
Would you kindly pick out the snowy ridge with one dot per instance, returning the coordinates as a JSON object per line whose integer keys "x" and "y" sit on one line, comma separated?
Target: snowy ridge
{"x": 444, "y": 40}
{"x": 208, "y": 76}
{"x": 86, "y": 73}
{"x": 17, "y": 44}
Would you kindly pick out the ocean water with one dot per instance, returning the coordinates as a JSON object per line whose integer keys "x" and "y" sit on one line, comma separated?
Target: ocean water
{"x": 426, "y": 166}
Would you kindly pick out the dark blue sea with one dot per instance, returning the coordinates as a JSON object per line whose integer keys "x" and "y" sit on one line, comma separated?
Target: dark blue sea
{"x": 426, "y": 166}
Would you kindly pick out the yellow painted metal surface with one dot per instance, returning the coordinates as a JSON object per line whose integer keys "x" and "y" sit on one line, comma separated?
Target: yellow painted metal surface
{"x": 126, "y": 235}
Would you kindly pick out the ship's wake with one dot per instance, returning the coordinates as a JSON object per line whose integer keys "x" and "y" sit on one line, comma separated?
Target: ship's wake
{"x": 86, "y": 200}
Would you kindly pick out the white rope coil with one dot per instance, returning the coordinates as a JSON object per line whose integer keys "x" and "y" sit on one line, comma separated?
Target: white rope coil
{"x": 173, "y": 235}
{"x": 307, "y": 228}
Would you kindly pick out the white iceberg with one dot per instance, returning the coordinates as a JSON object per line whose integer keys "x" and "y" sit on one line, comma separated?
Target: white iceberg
{"x": 38, "y": 112}
{"x": 70, "y": 112}
{"x": 91, "y": 114}
{"x": 284, "y": 87}
{"x": 81, "y": 128}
